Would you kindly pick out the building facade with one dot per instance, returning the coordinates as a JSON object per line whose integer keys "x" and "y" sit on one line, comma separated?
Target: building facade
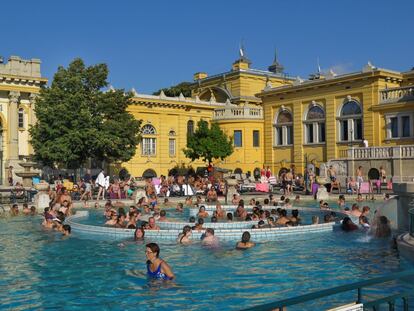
{"x": 281, "y": 122}
{"x": 20, "y": 83}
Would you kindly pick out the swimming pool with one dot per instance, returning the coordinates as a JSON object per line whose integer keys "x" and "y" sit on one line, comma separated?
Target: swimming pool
{"x": 40, "y": 270}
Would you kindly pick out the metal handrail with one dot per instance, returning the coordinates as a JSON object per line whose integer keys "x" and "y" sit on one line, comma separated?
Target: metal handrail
{"x": 332, "y": 291}
{"x": 411, "y": 222}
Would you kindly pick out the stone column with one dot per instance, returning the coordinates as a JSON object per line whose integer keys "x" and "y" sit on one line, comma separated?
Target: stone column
{"x": 32, "y": 115}
{"x": 13, "y": 154}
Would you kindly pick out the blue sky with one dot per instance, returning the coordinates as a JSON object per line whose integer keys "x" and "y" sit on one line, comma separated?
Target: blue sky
{"x": 154, "y": 44}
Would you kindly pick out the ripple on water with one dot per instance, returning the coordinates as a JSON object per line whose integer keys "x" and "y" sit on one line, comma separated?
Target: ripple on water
{"x": 40, "y": 270}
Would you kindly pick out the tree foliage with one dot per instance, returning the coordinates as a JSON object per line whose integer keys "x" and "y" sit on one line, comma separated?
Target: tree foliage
{"x": 76, "y": 120}
{"x": 175, "y": 90}
{"x": 208, "y": 143}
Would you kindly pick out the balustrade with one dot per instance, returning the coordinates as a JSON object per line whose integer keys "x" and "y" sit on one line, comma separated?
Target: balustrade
{"x": 238, "y": 113}
{"x": 397, "y": 94}
{"x": 403, "y": 152}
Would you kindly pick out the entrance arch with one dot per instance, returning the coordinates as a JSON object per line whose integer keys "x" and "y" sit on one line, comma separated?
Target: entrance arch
{"x": 149, "y": 173}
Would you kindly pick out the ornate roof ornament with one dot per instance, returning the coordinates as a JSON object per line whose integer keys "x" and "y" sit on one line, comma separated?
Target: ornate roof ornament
{"x": 368, "y": 67}
{"x": 134, "y": 92}
{"x": 162, "y": 94}
{"x": 181, "y": 96}
{"x": 276, "y": 67}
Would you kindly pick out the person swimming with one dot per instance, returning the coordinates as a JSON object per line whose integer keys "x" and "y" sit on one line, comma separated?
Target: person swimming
{"x": 245, "y": 242}
{"x": 156, "y": 267}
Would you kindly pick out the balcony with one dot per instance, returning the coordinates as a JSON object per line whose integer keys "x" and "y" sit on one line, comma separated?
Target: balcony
{"x": 398, "y": 152}
{"x": 239, "y": 113}
{"x": 395, "y": 95}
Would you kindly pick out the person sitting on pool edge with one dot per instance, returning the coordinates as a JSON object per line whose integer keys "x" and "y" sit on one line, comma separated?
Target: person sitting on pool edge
{"x": 156, "y": 267}
{"x": 245, "y": 241}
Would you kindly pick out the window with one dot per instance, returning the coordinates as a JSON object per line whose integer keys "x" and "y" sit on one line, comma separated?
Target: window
{"x": 256, "y": 138}
{"x": 238, "y": 139}
{"x": 190, "y": 128}
{"x": 171, "y": 147}
{"x": 284, "y": 128}
{"x": 350, "y": 121}
{"x": 171, "y": 143}
{"x": 149, "y": 142}
{"x": 399, "y": 125}
{"x": 315, "y": 125}
{"x": 21, "y": 118}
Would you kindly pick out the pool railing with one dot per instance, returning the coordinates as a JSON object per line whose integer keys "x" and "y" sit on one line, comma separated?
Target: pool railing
{"x": 411, "y": 222}
{"x": 282, "y": 305}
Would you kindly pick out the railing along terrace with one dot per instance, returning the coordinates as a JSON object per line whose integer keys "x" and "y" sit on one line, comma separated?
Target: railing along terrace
{"x": 397, "y": 152}
{"x": 238, "y": 113}
{"x": 397, "y": 94}
{"x": 405, "y": 276}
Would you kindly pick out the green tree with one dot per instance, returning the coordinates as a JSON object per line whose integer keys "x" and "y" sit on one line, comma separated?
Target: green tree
{"x": 183, "y": 87}
{"x": 208, "y": 143}
{"x": 76, "y": 120}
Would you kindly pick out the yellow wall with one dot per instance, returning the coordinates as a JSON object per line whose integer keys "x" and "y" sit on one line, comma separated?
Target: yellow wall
{"x": 247, "y": 157}
{"x": 329, "y": 94}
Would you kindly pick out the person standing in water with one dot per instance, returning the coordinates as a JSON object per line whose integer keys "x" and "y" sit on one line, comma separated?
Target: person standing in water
{"x": 156, "y": 267}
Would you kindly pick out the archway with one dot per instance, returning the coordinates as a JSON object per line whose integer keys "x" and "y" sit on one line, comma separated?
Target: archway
{"x": 238, "y": 171}
{"x": 221, "y": 95}
{"x": 373, "y": 173}
{"x": 149, "y": 173}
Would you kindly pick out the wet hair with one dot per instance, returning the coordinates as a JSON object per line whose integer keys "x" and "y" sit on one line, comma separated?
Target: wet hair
{"x": 154, "y": 248}
{"x": 261, "y": 223}
{"x": 25, "y": 205}
{"x": 186, "y": 229}
{"x": 249, "y": 218}
{"x": 163, "y": 213}
{"x": 229, "y": 216}
{"x": 214, "y": 219}
{"x": 245, "y": 237}
{"x": 210, "y": 230}
{"x": 192, "y": 219}
{"x": 180, "y": 205}
{"x": 200, "y": 221}
{"x": 265, "y": 202}
{"x": 283, "y": 213}
{"x": 295, "y": 213}
{"x": 67, "y": 228}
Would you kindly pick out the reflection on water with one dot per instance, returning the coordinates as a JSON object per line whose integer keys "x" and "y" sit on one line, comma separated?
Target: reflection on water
{"x": 41, "y": 271}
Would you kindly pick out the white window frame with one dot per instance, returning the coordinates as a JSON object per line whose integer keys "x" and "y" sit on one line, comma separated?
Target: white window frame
{"x": 351, "y": 129}
{"x": 285, "y": 129}
{"x": 171, "y": 147}
{"x": 149, "y": 141}
{"x": 315, "y": 123}
{"x": 399, "y": 117}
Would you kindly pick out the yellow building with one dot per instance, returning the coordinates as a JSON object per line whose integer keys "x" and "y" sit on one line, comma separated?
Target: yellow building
{"x": 20, "y": 83}
{"x": 326, "y": 117}
{"x": 280, "y": 121}
{"x": 228, "y": 99}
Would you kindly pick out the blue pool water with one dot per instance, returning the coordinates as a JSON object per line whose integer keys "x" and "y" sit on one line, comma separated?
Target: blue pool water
{"x": 41, "y": 270}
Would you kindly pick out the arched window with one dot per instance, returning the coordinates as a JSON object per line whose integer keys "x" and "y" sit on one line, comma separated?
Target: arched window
{"x": 21, "y": 118}
{"x": 315, "y": 125}
{"x": 171, "y": 143}
{"x": 284, "y": 128}
{"x": 190, "y": 128}
{"x": 350, "y": 121}
{"x": 149, "y": 142}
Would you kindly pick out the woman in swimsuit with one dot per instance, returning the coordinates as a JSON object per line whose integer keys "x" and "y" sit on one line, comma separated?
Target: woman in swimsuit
{"x": 184, "y": 237}
{"x": 156, "y": 267}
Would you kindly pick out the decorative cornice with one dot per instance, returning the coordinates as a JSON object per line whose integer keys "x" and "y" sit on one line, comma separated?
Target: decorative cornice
{"x": 14, "y": 97}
